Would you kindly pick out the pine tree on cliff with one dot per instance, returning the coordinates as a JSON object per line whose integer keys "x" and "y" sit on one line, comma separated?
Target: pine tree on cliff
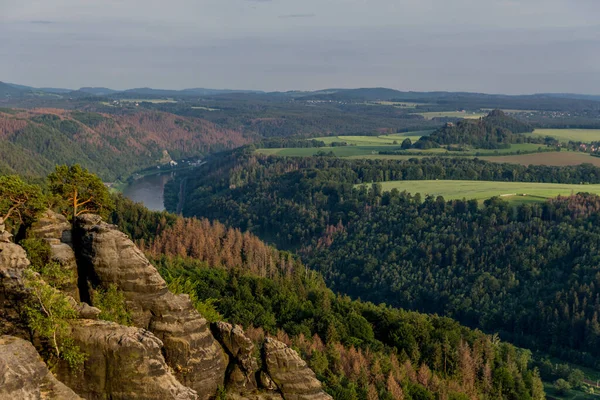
{"x": 19, "y": 202}
{"x": 82, "y": 191}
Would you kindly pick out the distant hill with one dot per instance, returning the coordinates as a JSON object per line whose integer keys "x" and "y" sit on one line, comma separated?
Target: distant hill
{"x": 492, "y": 131}
{"x": 99, "y": 91}
{"x": 180, "y": 93}
{"x": 7, "y": 90}
{"x": 574, "y": 96}
{"x": 365, "y": 94}
{"x": 32, "y": 142}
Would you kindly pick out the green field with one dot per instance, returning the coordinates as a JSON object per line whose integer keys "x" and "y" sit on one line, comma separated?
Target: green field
{"x": 205, "y": 108}
{"x": 383, "y": 140}
{"x": 558, "y": 159}
{"x": 576, "y": 135}
{"x": 343, "y": 151}
{"x": 482, "y": 190}
{"x": 452, "y": 114}
{"x": 155, "y": 101}
{"x": 398, "y": 104}
{"x": 370, "y": 146}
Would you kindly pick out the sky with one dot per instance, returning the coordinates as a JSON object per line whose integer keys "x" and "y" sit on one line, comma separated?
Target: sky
{"x": 491, "y": 46}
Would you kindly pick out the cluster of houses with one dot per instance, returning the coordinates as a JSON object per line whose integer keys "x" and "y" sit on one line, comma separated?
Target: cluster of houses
{"x": 589, "y": 147}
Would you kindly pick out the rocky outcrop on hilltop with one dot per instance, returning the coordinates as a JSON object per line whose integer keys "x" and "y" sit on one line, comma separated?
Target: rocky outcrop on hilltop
{"x": 13, "y": 262}
{"x": 23, "y": 374}
{"x": 290, "y": 373}
{"x": 170, "y": 353}
{"x": 108, "y": 257}
{"x": 122, "y": 363}
{"x": 56, "y": 231}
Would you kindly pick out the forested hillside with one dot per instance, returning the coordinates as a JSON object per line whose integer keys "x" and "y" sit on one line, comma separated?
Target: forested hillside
{"x": 32, "y": 142}
{"x": 528, "y": 272}
{"x": 493, "y": 131}
{"x": 359, "y": 350}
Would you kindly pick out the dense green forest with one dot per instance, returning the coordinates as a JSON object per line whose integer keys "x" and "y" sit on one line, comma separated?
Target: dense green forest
{"x": 359, "y": 350}
{"x": 528, "y": 272}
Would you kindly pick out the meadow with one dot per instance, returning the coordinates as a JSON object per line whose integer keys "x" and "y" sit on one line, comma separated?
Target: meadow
{"x": 576, "y": 135}
{"x": 383, "y": 140}
{"x": 481, "y": 190}
{"x": 398, "y": 104}
{"x": 371, "y": 146}
{"x": 155, "y": 101}
{"x": 452, "y": 114}
{"x": 343, "y": 151}
{"x": 557, "y": 159}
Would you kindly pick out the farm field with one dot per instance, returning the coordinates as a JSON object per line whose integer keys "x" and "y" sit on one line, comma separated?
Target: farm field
{"x": 343, "y": 151}
{"x": 482, "y": 190}
{"x": 452, "y": 114}
{"x": 383, "y": 140}
{"x": 371, "y": 146}
{"x": 399, "y": 104}
{"x": 155, "y": 101}
{"x": 558, "y": 159}
{"x": 576, "y": 135}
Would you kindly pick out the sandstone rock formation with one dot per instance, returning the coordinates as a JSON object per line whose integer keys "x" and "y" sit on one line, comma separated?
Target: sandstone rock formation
{"x": 123, "y": 363}
{"x": 13, "y": 262}
{"x": 56, "y": 230}
{"x": 4, "y": 235}
{"x": 51, "y": 225}
{"x": 23, "y": 374}
{"x": 290, "y": 373}
{"x": 243, "y": 365}
{"x": 170, "y": 354}
{"x": 107, "y": 256}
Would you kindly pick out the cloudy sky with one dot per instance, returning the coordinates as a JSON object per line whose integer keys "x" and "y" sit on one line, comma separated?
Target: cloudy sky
{"x": 494, "y": 46}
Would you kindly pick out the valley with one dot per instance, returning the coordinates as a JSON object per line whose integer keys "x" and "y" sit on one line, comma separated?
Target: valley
{"x": 390, "y": 232}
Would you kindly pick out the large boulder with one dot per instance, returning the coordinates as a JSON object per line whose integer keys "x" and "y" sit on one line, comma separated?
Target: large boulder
{"x": 23, "y": 374}
{"x": 13, "y": 262}
{"x": 107, "y": 256}
{"x": 291, "y": 374}
{"x": 243, "y": 365}
{"x": 122, "y": 363}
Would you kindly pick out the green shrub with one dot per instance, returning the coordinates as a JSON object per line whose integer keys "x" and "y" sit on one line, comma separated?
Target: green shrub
{"x": 48, "y": 314}
{"x": 562, "y": 387}
{"x": 111, "y": 302}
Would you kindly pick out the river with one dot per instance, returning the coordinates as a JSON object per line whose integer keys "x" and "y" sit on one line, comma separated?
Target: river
{"x": 149, "y": 190}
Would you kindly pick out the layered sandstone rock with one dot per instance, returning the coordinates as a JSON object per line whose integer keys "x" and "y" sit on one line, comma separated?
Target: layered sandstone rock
{"x": 53, "y": 226}
{"x": 291, "y": 374}
{"x": 13, "y": 262}
{"x": 243, "y": 365}
{"x": 122, "y": 363}
{"x": 23, "y": 374}
{"x": 107, "y": 256}
{"x": 56, "y": 230}
{"x": 4, "y": 234}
